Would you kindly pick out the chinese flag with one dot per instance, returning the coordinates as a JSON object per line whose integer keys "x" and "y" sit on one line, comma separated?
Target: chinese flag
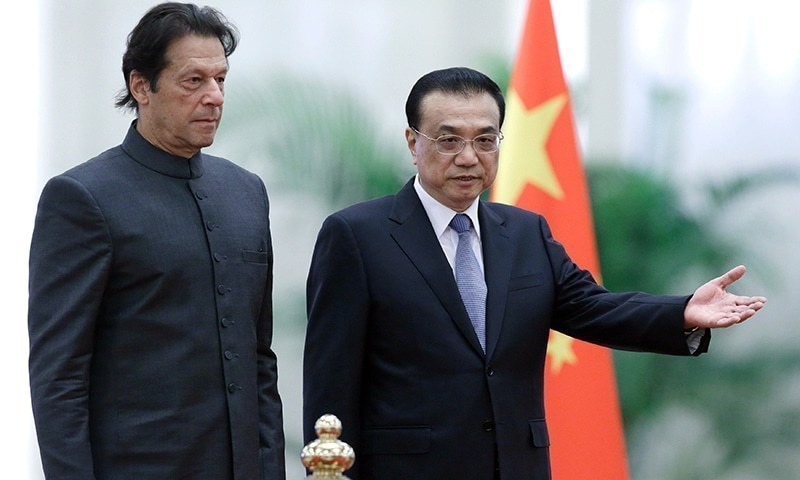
{"x": 540, "y": 170}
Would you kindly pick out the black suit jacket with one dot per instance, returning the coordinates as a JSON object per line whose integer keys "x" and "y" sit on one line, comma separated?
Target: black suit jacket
{"x": 150, "y": 319}
{"x": 390, "y": 349}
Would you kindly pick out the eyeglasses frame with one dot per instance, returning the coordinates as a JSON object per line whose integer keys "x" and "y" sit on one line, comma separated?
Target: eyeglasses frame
{"x": 436, "y": 141}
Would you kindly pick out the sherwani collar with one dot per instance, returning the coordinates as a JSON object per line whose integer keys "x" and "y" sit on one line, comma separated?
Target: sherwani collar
{"x": 146, "y": 154}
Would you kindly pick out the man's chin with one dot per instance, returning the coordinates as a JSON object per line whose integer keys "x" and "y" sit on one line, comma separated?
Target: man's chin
{"x": 205, "y": 140}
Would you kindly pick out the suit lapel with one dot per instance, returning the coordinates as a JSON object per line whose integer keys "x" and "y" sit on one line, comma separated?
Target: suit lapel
{"x": 416, "y": 238}
{"x": 497, "y": 270}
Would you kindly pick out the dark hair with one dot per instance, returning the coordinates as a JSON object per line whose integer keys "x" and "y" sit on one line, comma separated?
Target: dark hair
{"x": 158, "y": 28}
{"x": 462, "y": 80}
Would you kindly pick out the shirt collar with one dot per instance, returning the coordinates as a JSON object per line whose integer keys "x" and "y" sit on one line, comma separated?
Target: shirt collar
{"x": 440, "y": 215}
{"x": 158, "y": 160}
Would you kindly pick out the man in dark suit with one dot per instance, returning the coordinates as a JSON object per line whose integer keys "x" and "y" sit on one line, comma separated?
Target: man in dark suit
{"x": 435, "y": 372}
{"x": 150, "y": 311}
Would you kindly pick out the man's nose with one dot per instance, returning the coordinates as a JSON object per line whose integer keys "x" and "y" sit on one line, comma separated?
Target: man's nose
{"x": 214, "y": 93}
{"x": 467, "y": 157}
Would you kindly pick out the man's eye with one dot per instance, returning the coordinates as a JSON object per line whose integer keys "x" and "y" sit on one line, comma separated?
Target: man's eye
{"x": 448, "y": 140}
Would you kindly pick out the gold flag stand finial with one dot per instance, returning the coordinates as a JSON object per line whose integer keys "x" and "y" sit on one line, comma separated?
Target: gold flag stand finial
{"x": 327, "y": 456}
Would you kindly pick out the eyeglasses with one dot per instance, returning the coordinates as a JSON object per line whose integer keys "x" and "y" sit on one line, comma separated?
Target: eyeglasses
{"x": 454, "y": 144}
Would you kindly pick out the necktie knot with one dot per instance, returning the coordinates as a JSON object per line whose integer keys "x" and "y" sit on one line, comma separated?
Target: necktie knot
{"x": 461, "y": 222}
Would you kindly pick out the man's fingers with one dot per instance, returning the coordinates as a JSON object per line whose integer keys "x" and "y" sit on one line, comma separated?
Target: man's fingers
{"x": 731, "y": 276}
{"x": 751, "y": 301}
{"x": 737, "y": 315}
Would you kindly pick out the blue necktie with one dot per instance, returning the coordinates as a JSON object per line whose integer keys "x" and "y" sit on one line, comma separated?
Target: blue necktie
{"x": 469, "y": 277}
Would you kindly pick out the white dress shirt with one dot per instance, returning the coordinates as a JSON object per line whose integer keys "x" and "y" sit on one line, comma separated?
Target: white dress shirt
{"x": 440, "y": 217}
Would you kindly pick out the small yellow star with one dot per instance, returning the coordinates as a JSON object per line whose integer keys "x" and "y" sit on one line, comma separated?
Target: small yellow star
{"x": 523, "y": 157}
{"x": 559, "y": 349}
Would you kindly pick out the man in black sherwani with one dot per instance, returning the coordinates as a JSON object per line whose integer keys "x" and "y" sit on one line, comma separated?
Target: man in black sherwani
{"x": 150, "y": 310}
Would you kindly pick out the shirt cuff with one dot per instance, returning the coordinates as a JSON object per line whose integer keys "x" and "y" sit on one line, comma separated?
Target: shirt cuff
{"x": 694, "y": 338}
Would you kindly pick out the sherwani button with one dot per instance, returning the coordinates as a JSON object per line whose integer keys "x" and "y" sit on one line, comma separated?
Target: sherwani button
{"x": 488, "y": 426}
{"x": 232, "y": 387}
{"x": 222, "y": 289}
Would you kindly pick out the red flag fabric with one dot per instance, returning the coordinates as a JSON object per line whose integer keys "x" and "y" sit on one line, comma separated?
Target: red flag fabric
{"x": 540, "y": 170}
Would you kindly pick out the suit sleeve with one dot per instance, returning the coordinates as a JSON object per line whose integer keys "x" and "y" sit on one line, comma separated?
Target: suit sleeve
{"x": 628, "y": 321}
{"x": 271, "y": 438}
{"x": 69, "y": 266}
{"x": 338, "y": 315}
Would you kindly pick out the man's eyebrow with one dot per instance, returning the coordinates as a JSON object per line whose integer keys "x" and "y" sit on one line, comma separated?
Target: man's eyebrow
{"x": 449, "y": 129}
{"x": 203, "y": 68}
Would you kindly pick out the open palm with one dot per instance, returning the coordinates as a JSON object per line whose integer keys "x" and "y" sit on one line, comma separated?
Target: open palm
{"x": 712, "y": 306}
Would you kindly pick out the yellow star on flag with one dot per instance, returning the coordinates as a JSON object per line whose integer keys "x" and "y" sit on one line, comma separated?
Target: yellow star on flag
{"x": 559, "y": 349}
{"x": 524, "y": 158}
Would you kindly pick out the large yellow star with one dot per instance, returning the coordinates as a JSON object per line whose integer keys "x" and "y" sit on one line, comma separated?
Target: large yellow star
{"x": 559, "y": 349}
{"x": 523, "y": 156}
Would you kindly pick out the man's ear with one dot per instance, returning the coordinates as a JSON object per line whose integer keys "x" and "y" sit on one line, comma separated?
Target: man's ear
{"x": 140, "y": 87}
{"x": 411, "y": 142}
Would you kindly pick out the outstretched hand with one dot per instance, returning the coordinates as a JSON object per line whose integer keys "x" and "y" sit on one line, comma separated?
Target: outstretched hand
{"x": 712, "y": 306}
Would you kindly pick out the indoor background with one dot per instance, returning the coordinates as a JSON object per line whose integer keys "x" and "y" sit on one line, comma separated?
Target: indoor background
{"x": 687, "y": 113}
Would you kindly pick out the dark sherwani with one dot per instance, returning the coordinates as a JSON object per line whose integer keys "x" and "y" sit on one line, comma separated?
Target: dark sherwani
{"x": 150, "y": 318}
